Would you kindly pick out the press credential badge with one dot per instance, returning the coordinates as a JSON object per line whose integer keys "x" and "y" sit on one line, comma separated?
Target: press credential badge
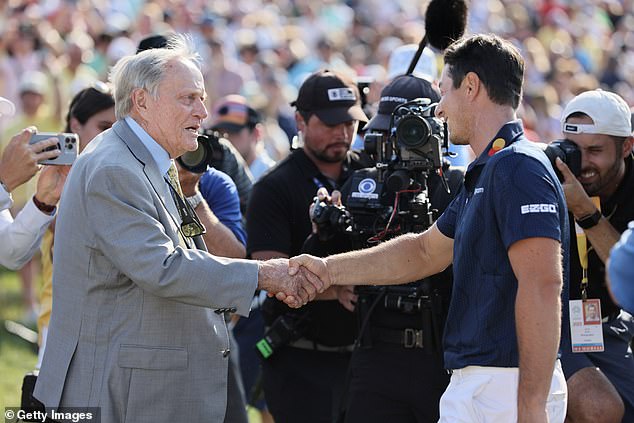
{"x": 586, "y": 328}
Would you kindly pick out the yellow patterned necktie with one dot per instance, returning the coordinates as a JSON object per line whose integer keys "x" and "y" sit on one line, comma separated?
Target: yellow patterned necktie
{"x": 172, "y": 174}
{"x": 191, "y": 225}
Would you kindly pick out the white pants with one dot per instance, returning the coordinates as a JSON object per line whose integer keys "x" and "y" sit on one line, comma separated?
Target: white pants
{"x": 489, "y": 395}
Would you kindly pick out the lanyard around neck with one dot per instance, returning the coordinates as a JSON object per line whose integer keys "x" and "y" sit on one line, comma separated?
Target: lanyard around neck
{"x": 582, "y": 250}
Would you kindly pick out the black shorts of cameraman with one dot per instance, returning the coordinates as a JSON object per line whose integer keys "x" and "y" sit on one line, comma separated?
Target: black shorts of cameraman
{"x": 397, "y": 375}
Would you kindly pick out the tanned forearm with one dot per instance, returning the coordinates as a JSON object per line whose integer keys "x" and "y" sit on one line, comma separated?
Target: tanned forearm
{"x": 538, "y": 317}
{"x": 602, "y": 237}
{"x": 538, "y": 322}
{"x": 407, "y": 258}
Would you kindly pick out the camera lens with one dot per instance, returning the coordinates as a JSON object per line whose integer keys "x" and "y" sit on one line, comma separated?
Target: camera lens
{"x": 413, "y": 131}
{"x": 194, "y": 160}
{"x": 568, "y": 152}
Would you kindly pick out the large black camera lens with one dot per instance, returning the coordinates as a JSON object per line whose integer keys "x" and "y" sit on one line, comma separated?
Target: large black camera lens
{"x": 195, "y": 161}
{"x": 413, "y": 131}
{"x": 208, "y": 154}
{"x": 372, "y": 142}
{"x": 568, "y": 152}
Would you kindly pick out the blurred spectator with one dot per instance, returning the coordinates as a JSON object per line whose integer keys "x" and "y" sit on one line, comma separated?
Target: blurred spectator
{"x": 36, "y": 111}
{"x": 241, "y": 125}
{"x": 400, "y": 59}
{"x": 75, "y": 73}
{"x": 223, "y": 76}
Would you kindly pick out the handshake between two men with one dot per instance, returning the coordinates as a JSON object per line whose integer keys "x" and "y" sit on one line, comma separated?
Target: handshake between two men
{"x": 294, "y": 281}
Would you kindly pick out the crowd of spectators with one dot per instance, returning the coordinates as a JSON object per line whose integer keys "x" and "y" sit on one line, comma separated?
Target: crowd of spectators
{"x": 264, "y": 49}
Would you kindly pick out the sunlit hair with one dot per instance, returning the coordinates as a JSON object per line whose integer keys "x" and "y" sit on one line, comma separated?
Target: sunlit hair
{"x": 147, "y": 69}
{"x": 497, "y": 62}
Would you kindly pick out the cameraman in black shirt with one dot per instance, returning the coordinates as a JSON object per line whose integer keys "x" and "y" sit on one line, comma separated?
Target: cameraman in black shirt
{"x": 303, "y": 377}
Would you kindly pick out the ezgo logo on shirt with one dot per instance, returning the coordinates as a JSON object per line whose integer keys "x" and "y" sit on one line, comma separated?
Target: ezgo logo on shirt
{"x": 538, "y": 208}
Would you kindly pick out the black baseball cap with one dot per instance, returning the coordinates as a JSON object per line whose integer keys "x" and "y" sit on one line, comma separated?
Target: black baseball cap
{"x": 232, "y": 114}
{"x": 152, "y": 41}
{"x": 332, "y": 96}
{"x": 402, "y": 89}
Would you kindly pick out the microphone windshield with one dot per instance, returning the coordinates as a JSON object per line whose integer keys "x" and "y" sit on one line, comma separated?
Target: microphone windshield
{"x": 445, "y": 22}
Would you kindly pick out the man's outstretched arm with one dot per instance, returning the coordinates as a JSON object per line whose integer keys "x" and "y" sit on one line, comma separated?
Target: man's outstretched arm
{"x": 295, "y": 290}
{"x": 408, "y": 258}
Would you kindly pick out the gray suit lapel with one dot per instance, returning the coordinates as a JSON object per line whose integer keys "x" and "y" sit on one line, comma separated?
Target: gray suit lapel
{"x": 150, "y": 169}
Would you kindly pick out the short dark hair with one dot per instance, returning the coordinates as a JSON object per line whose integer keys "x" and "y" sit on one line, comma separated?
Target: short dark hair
{"x": 497, "y": 62}
{"x": 88, "y": 102}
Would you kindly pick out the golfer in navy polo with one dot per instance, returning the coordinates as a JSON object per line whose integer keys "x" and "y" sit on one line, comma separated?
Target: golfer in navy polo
{"x": 506, "y": 234}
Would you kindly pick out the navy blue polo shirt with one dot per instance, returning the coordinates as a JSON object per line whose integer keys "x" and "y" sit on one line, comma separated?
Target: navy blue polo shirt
{"x": 510, "y": 193}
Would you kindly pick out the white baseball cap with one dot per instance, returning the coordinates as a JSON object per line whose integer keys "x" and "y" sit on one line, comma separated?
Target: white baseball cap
{"x": 7, "y": 108}
{"x": 609, "y": 112}
{"x": 33, "y": 82}
{"x": 402, "y": 56}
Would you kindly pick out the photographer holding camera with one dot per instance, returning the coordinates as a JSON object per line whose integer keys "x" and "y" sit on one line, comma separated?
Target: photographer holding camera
{"x": 22, "y": 236}
{"x": 510, "y": 215}
{"x": 600, "y": 384}
{"x": 303, "y": 378}
{"x": 397, "y": 374}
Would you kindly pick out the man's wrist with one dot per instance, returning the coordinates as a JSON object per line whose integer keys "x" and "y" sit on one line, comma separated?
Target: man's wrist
{"x": 195, "y": 199}
{"x": 331, "y": 278}
{"x": 5, "y": 187}
{"x": 43, "y": 207}
{"x": 589, "y": 220}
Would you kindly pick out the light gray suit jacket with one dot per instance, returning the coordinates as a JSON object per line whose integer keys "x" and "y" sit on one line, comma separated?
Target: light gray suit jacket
{"x": 133, "y": 330}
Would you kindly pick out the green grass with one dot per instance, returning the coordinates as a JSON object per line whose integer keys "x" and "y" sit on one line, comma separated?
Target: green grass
{"x": 17, "y": 357}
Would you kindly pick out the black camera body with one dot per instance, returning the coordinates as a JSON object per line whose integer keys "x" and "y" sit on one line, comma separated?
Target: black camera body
{"x": 419, "y": 135}
{"x": 392, "y": 198}
{"x": 208, "y": 154}
{"x": 329, "y": 219}
{"x": 568, "y": 152}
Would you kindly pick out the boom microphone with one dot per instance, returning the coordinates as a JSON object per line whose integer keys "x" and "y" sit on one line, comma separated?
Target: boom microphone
{"x": 445, "y": 22}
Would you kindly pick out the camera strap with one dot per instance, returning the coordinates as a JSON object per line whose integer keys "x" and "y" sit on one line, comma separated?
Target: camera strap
{"x": 191, "y": 225}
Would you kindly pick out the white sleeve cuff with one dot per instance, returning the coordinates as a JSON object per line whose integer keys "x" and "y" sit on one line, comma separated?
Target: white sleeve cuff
{"x": 5, "y": 199}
